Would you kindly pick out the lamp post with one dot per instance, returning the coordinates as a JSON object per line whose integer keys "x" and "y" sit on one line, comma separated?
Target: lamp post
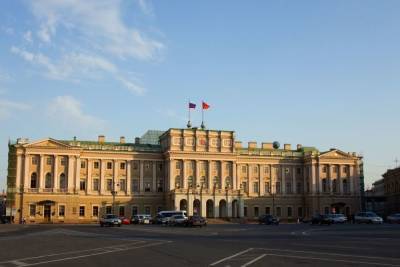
{"x": 113, "y": 193}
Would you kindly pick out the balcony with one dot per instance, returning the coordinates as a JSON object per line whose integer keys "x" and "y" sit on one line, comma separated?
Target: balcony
{"x": 47, "y": 190}
{"x": 33, "y": 190}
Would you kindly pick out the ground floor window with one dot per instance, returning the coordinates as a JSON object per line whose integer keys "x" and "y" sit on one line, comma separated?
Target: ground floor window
{"x": 245, "y": 211}
{"x": 267, "y": 210}
{"x": 256, "y": 212}
{"x": 278, "y": 211}
{"x": 147, "y": 210}
{"x": 326, "y": 210}
{"x": 300, "y": 212}
{"x": 108, "y": 210}
{"x": 121, "y": 211}
{"x": 32, "y": 210}
{"x": 134, "y": 210}
{"x": 61, "y": 210}
{"x": 81, "y": 211}
{"x": 95, "y": 211}
{"x": 82, "y": 185}
{"x": 289, "y": 212}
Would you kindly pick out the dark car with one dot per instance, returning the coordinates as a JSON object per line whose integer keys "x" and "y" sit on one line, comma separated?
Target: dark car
{"x": 394, "y": 218}
{"x": 321, "y": 219}
{"x": 268, "y": 219}
{"x": 196, "y": 221}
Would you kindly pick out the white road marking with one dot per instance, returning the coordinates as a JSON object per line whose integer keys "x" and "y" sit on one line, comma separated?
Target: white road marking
{"x": 230, "y": 257}
{"x": 332, "y": 260}
{"x": 254, "y": 260}
{"x": 329, "y": 246}
{"x": 105, "y": 250}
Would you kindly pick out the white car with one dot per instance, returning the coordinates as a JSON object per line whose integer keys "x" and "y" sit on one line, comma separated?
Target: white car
{"x": 338, "y": 218}
{"x": 177, "y": 220}
{"x": 368, "y": 217}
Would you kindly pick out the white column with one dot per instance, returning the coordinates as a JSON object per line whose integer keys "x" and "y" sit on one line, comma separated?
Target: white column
{"x": 56, "y": 185}
{"x": 318, "y": 184}
{"x": 314, "y": 185}
{"x": 18, "y": 176}
{"x": 185, "y": 181}
{"x": 171, "y": 180}
{"x": 351, "y": 179}
{"x": 249, "y": 178}
{"x": 261, "y": 187}
{"x": 115, "y": 176}
{"x": 70, "y": 175}
{"x": 234, "y": 176}
{"x": 339, "y": 180}
{"x": 210, "y": 180}
{"x": 102, "y": 177}
{"x": 27, "y": 178}
{"x": 197, "y": 175}
{"x": 273, "y": 179}
{"x": 222, "y": 173}
{"x": 77, "y": 173}
{"x": 283, "y": 183}
{"x": 203, "y": 207}
{"x": 305, "y": 179}
{"x": 41, "y": 173}
{"x": 154, "y": 176}
{"x": 128, "y": 177}
{"x": 89, "y": 185}
{"x": 141, "y": 178}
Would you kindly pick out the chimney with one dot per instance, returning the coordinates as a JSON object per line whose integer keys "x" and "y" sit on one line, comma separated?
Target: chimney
{"x": 122, "y": 140}
{"x": 299, "y": 146}
{"x": 287, "y": 146}
{"x": 137, "y": 140}
{"x": 267, "y": 146}
{"x": 252, "y": 145}
{"x": 101, "y": 139}
{"x": 238, "y": 144}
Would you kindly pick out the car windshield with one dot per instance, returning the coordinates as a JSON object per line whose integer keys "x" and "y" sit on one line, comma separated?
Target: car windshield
{"x": 178, "y": 217}
{"x": 111, "y": 216}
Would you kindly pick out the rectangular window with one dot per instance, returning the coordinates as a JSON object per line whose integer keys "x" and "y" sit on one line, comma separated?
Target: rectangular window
{"x": 122, "y": 185}
{"x": 121, "y": 211}
{"x": 267, "y": 188}
{"x": 244, "y": 186}
{"x": 334, "y": 169}
{"x": 96, "y": 165}
{"x": 61, "y": 211}
{"x": 63, "y": 161}
{"x": 256, "y": 211}
{"x": 122, "y": 165}
{"x": 324, "y": 169}
{"x": 255, "y": 169}
{"x": 135, "y": 185}
{"x": 255, "y": 187}
{"x": 245, "y": 211}
{"x": 83, "y": 164}
{"x": 160, "y": 186}
{"x": 147, "y": 187}
{"x": 108, "y": 210}
{"x": 266, "y": 170}
{"x": 289, "y": 211}
{"x": 134, "y": 210}
{"x": 278, "y": 211}
{"x": 299, "y": 188}
{"x": 267, "y": 210}
{"x": 95, "y": 211}
{"x": 34, "y": 161}
{"x": 135, "y": 165}
{"x": 298, "y": 171}
{"x": 81, "y": 211}
{"x": 288, "y": 188}
{"x": 244, "y": 169}
{"x": 32, "y": 210}
{"x": 109, "y": 165}
{"x": 49, "y": 161}
{"x": 82, "y": 185}
{"x": 96, "y": 185}
{"x": 109, "y": 185}
{"x": 160, "y": 167}
{"x": 147, "y": 210}
{"x": 147, "y": 165}
{"x": 300, "y": 212}
{"x": 178, "y": 165}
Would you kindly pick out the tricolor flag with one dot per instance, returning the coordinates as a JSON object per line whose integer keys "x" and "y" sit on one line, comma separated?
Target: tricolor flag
{"x": 192, "y": 105}
{"x": 205, "y": 105}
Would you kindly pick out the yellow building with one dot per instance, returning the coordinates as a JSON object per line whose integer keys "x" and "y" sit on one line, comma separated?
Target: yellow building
{"x": 206, "y": 172}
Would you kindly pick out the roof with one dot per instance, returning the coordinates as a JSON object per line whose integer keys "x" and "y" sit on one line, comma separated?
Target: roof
{"x": 151, "y": 137}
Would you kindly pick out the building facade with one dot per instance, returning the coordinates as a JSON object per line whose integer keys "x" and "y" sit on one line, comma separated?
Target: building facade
{"x": 375, "y": 198}
{"x": 205, "y": 172}
{"x": 392, "y": 190}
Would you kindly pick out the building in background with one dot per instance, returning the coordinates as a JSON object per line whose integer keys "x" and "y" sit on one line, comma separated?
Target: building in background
{"x": 376, "y": 199}
{"x": 205, "y": 172}
{"x": 392, "y": 190}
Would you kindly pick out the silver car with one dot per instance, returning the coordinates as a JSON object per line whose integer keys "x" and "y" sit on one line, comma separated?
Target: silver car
{"x": 338, "y": 218}
{"x": 368, "y": 217}
{"x": 110, "y": 220}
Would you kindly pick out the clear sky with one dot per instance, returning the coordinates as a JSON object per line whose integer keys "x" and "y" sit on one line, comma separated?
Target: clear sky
{"x": 317, "y": 73}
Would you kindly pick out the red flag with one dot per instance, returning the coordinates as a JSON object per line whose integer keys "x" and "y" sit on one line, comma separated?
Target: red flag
{"x": 205, "y": 105}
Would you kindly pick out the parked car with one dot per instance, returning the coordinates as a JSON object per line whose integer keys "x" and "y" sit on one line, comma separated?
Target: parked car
{"x": 196, "y": 221}
{"x": 338, "y": 218}
{"x": 394, "y": 218}
{"x": 321, "y": 219}
{"x": 141, "y": 219}
{"x": 268, "y": 219}
{"x": 367, "y": 217}
{"x": 125, "y": 220}
{"x": 110, "y": 220}
{"x": 177, "y": 220}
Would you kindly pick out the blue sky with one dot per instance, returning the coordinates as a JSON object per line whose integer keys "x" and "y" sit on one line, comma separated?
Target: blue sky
{"x": 318, "y": 73}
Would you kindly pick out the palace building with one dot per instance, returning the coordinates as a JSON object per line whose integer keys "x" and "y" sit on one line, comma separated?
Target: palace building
{"x": 205, "y": 172}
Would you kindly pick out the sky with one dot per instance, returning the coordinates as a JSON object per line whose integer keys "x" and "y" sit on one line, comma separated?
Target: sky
{"x": 317, "y": 73}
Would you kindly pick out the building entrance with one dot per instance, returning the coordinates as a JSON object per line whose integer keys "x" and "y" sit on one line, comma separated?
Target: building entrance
{"x": 47, "y": 213}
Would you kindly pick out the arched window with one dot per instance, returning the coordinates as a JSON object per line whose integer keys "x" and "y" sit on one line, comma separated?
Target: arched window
{"x": 34, "y": 180}
{"x": 63, "y": 181}
{"x": 190, "y": 181}
{"x": 48, "y": 181}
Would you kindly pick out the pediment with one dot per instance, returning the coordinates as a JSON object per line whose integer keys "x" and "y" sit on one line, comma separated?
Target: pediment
{"x": 47, "y": 143}
{"x": 336, "y": 153}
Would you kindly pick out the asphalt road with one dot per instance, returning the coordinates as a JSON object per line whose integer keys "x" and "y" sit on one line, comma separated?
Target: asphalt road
{"x": 214, "y": 245}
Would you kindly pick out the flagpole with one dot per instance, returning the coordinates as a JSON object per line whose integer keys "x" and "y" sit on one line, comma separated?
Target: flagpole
{"x": 189, "y": 124}
{"x": 202, "y": 116}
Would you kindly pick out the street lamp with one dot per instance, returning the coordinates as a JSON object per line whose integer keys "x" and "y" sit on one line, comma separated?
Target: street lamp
{"x": 113, "y": 193}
